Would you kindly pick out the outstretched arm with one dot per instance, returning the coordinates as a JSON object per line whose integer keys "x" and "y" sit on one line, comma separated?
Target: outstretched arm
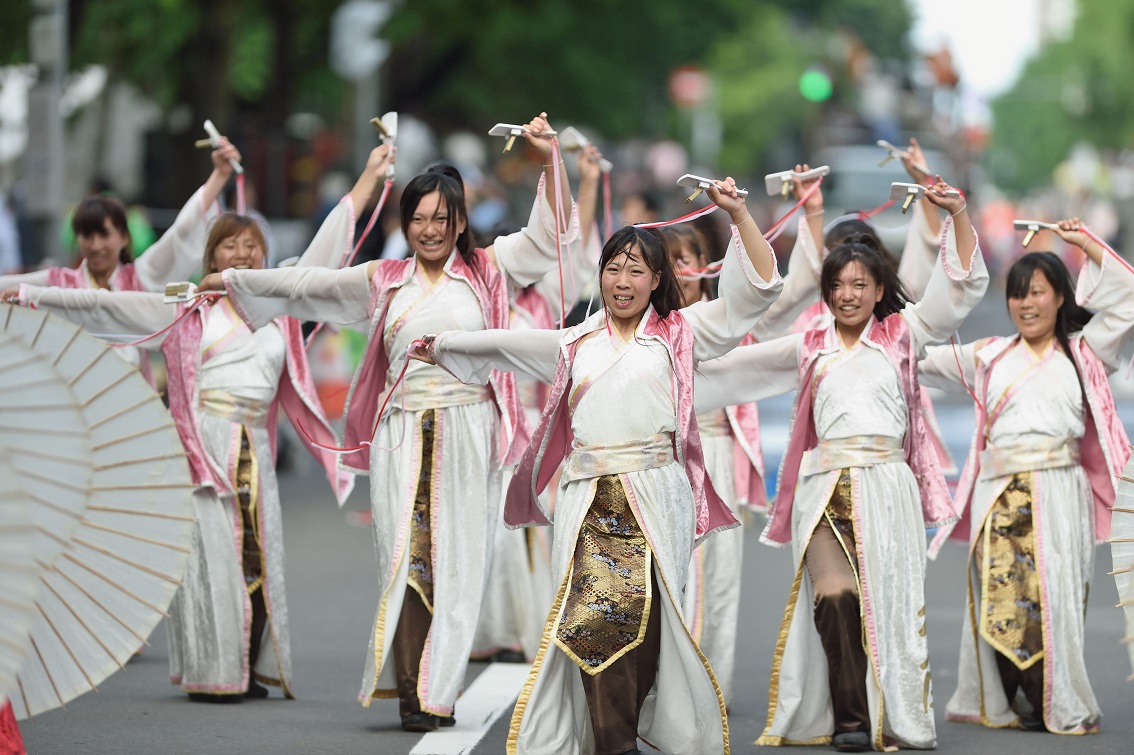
{"x": 112, "y": 315}
{"x": 472, "y": 355}
{"x": 306, "y": 293}
{"x": 748, "y": 373}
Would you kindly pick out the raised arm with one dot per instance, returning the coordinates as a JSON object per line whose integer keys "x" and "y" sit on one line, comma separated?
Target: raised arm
{"x": 959, "y": 280}
{"x": 111, "y": 315}
{"x": 1106, "y": 286}
{"x": 919, "y": 256}
{"x": 749, "y": 282}
{"x": 472, "y": 355}
{"x": 801, "y": 285}
{"x": 748, "y": 373}
{"x": 177, "y": 255}
{"x": 306, "y": 293}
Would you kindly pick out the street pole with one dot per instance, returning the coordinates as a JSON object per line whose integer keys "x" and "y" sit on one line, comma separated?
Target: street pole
{"x": 44, "y": 158}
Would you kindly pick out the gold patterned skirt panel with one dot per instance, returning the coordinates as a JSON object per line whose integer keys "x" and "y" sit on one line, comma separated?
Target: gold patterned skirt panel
{"x": 247, "y": 496}
{"x": 1010, "y": 602}
{"x": 840, "y": 513}
{"x": 610, "y": 586}
{"x": 420, "y": 575}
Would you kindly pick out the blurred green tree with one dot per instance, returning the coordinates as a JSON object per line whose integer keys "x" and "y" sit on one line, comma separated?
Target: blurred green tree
{"x": 1073, "y": 90}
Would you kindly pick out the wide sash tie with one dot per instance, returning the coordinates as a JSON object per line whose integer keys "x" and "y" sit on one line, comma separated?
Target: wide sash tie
{"x": 856, "y": 451}
{"x": 244, "y": 411}
{"x": 1000, "y": 461}
{"x": 586, "y": 462}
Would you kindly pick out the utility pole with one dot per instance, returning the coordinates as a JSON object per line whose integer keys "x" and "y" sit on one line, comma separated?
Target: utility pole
{"x": 44, "y": 158}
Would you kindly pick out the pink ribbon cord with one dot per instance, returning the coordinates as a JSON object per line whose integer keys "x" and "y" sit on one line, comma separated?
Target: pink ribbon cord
{"x": 210, "y": 298}
{"x": 354, "y": 254}
{"x": 241, "y": 208}
{"x": 557, "y": 194}
{"x": 683, "y": 219}
{"x": 961, "y": 373}
{"x": 381, "y": 412}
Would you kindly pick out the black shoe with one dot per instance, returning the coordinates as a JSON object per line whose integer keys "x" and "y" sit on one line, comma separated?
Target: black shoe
{"x": 1031, "y": 723}
{"x": 509, "y": 656}
{"x": 635, "y": 751}
{"x": 446, "y": 721}
{"x": 208, "y": 697}
{"x": 256, "y": 691}
{"x": 419, "y": 722}
{"x": 852, "y": 741}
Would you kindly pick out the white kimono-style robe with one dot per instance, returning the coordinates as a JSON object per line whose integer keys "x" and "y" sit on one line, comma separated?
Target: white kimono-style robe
{"x": 859, "y": 396}
{"x": 237, "y": 380}
{"x": 631, "y": 405}
{"x": 466, "y": 491}
{"x": 1038, "y": 405}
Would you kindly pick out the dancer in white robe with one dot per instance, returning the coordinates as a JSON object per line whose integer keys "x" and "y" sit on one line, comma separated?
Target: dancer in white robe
{"x": 616, "y": 660}
{"x": 436, "y": 455}
{"x": 520, "y": 587}
{"x": 851, "y": 662}
{"x": 99, "y": 225}
{"x": 1040, "y": 478}
{"x": 228, "y": 624}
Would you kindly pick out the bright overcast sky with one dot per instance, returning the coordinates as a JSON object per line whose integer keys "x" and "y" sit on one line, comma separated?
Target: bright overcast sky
{"x": 990, "y": 39}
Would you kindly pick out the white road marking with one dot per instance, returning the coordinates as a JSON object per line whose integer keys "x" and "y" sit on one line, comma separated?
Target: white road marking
{"x": 491, "y": 694}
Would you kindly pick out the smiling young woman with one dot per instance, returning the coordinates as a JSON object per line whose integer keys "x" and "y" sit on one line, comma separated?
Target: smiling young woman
{"x": 228, "y": 627}
{"x": 1041, "y": 474}
{"x": 859, "y": 485}
{"x": 633, "y": 497}
{"x": 437, "y": 455}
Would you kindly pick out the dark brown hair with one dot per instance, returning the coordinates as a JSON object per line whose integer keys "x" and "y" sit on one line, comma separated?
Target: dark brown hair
{"x": 686, "y": 233}
{"x": 90, "y": 219}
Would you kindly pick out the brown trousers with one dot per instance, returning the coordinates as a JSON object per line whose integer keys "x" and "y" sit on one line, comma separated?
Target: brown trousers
{"x": 615, "y": 695}
{"x": 839, "y": 622}
{"x": 409, "y": 642}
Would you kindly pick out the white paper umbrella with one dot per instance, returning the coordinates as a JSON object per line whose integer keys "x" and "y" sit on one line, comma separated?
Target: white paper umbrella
{"x": 117, "y": 573}
{"x": 18, "y": 575}
{"x": 1122, "y": 552}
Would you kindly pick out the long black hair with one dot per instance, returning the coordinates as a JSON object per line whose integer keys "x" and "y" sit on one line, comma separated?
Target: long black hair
{"x": 865, "y": 249}
{"x": 446, "y": 180}
{"x": 841, "y": 231}
{"x": 650, "y": 244}
{"x": 1071, "y": 317}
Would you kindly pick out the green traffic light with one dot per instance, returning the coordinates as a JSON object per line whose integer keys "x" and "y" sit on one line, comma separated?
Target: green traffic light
{"x": 815, "y": 85}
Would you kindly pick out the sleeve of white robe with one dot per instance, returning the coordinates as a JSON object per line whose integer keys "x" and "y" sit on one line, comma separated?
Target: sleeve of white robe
{"x": 472, "y": 355}
{"x": 579, "y": 278}
{"x": 950, "y": 295}
{"x": 334, "y": 240}
{"x": 919, "y": 257}
{"x": 305, "y": 293}
{"x": 939, "y": 367}
{"x": 1108, "y": 289}
{"x": 748, "y": 373}
{"x": 801, "y": 287}
{"x": 34, "y": 278}
{"x": 742, "y": 299}
{"x": 531, "y": 253}
{"x": 178, "y": 254}
{"x": 107, "y": 314}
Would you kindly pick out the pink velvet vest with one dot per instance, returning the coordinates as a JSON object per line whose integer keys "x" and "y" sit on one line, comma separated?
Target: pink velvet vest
{"x": 553, "y": 436}
{"x": 893, "y": 335}
{"x": 363, "y": 401}
{"x": 122, "y": 279}
{"x": 1103, "y": 450}
{"x": 296, "y": 394}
